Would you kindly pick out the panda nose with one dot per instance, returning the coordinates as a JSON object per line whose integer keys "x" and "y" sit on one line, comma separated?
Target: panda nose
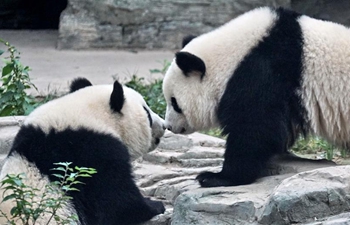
{"x": 169, "y": 127}
{"x": 164, "y": 127}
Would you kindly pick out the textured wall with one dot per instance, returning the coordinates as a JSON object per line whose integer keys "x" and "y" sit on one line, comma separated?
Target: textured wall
{"x": 161, "y": 24}
{"x": 149, "y": 24}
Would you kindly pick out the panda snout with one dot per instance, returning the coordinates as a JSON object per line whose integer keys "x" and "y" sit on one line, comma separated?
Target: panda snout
{"x": 169, "y": 127}
{"x": 157, "y": 141}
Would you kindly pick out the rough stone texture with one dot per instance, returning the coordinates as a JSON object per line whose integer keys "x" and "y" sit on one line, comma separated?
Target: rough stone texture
{"x": 150, "y": 24}
{"x": 161, "y": 24}
{"x": 337, "y": 11}
{"x": 300, "y": 191}
{"x": 9, "y": 127}
{"x": 308, "y": 196}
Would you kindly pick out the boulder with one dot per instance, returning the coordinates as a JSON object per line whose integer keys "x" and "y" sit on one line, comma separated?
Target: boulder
{"x": 293, "y": 191}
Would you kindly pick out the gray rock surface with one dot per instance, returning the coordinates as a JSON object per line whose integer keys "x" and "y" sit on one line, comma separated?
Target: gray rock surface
{"x": 300, "y": 191}
{"x": 9, "y": 127}
{"x": 150, "y": 24}
{"x": 161, "y": 24}
{"x": 336, "y": 11}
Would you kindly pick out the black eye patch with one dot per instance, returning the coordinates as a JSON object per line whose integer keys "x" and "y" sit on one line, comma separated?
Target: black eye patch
{"x": 175, "y": 105}
{"x": 149, "y": 116}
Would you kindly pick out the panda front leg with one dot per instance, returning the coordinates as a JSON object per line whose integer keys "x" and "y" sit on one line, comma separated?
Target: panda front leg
{"x": 248, "y": 149}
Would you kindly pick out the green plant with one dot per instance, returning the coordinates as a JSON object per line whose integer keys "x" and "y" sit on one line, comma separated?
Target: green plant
{"x": 152, "y": 93}
{"x": 315, "y": 144}
{"x": 15, "y": 81}
{"x": 30, "y": 205}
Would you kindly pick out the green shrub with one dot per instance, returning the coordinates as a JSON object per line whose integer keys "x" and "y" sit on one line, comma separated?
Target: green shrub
{"x": 30, "y": 205}
{"x": 312, "y": 145}
{"x": 152, "y": 93}
{"x": 15, "y": 83}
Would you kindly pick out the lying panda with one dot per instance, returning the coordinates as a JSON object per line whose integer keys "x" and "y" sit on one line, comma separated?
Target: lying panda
{"x": 265, "y": 77}
{"x": 102, "y": 127}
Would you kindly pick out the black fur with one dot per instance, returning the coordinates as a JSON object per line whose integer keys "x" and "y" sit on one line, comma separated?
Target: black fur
{"x": 149, "y": 116}
{"x": 188, "y": 63}
{"x": 175, "y": 105}
{"x": 79, "y": 83}
{"x": 117, "y": 97}
{"x": 187, "y": 39}
{"x": 109, "y": 197}
{"x": 260, "y": 109}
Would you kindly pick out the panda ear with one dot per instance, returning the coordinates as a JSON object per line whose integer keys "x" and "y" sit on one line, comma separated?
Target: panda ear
{"x": 187, "y": 39}
{"x": 79, "y": 83}
{"x": 117, "y": 99}
{"x": 188, "y": 63}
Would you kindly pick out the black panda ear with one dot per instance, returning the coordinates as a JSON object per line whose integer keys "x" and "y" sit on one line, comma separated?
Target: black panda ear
{"x": 117, "y": 99}
{"x": 187, "y": 39}
{"x": 188, "y": 63}
{"x": 79, "y": 83}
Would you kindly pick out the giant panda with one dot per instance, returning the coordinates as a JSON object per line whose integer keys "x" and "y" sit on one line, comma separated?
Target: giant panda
{"x": 264, "y": 77}
{"x": 103, "y": 127}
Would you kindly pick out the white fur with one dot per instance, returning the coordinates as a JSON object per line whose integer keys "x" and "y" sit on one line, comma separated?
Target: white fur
{"x": 326, "y": 83}
{"x": 89, "y": 108}
{"x": 15, "y": 164}
{"x": 199, "y": 99}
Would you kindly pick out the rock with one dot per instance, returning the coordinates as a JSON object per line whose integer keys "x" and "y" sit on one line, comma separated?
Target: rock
{"x": 336, "y": 11}
{"x": 9, "y": 127}
{"x": 240, "y": 204}
{"x": 150, "y": 24}
{"x": 309, "y": 195}
{"x": 146, "y": 24}
{"x": 297, "y": 191}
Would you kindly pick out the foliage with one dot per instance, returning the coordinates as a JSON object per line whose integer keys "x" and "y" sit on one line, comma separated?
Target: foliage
{"x": 15, "y": 80}
{"x": 31, "y": 203}
{"x": 317, "y": 145}
{"x": 152, "y": 93}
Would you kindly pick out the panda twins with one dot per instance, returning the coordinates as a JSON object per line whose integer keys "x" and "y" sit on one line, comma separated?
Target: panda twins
{"x": 265, "y": 77}
{"x": 103, "y": 127}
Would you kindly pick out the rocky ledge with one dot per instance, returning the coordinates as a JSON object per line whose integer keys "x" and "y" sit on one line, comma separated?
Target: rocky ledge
{"x": 297, "y": 191}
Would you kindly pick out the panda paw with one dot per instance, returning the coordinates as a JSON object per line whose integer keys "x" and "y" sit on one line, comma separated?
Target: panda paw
{"x": 209, "y": 179}
{"x": 156, "y": 206}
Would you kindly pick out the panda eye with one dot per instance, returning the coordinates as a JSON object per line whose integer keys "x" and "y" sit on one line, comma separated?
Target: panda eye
{"x": 175, "y": 105}
{"x": 149, "y": 116}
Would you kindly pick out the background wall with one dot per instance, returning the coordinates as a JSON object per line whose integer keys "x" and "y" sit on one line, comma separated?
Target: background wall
{"x": 149, "y": 24}
{"x": 144, "y": 24}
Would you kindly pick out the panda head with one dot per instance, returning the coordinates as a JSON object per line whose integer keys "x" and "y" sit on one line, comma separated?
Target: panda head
{"x": 111, "y": 109}
{"x": 190, "y": 93}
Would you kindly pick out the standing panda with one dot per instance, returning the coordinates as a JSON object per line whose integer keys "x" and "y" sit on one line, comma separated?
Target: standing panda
{"x": 103, "y": 127}
{"x": 265, "y": 77}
